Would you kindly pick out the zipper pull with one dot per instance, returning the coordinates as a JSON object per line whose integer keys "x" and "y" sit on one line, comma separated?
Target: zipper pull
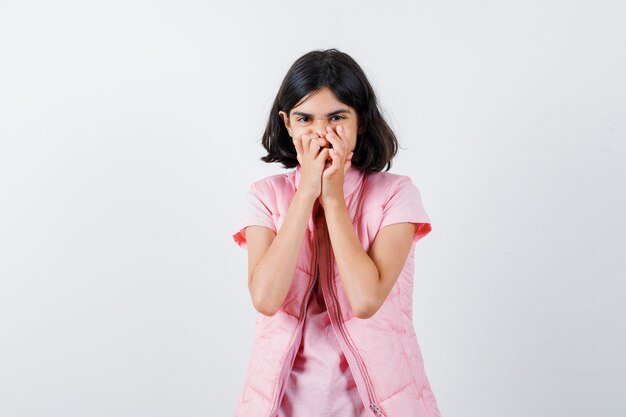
{"x": 376, "y": 409}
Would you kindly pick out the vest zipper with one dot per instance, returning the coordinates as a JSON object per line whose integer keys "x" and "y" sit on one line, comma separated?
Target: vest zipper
{"x": 368, "y": 385}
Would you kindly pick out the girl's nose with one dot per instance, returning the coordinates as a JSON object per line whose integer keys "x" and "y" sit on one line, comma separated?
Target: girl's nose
{"x": 320, "y": 128}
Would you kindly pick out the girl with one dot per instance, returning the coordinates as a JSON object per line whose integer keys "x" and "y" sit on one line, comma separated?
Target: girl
{"x": 330, "y": 256}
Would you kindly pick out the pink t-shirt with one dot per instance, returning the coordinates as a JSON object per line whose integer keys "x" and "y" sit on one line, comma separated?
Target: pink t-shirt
{"x": 320, "y": 358}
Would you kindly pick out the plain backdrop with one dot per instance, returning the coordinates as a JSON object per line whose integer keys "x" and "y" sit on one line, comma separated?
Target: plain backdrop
{"x": 130, "y": 133}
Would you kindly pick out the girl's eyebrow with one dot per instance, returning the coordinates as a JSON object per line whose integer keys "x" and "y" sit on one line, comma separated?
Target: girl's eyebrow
{"x": 333, "y": 113}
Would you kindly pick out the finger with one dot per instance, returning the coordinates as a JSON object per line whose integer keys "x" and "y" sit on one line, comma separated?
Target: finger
{"x": 316, "y": 144}
{"x": 297, "y": 143}
{"x": 338, "y": 144}
{"x": 307, "y": 138}
{"x": 340, "y": 133}
{"x": 335, "y": 158}
{"x": 347, "y": 166}
{"x": 323, "y": 155}
{"x": 334, "y": 166}
{"x": 306, "y": 142}
{"x": 327, "y": 161}
{"x": 310, "y": 136}
{"x": 327, "y": 166}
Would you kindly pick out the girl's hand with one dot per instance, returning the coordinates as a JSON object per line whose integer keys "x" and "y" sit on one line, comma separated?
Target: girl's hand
{"x": 312, "y": 154}
{"x": 335, "y": 169}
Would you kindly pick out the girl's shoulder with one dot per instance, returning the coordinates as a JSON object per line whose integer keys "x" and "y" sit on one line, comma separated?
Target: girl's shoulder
{"x": 387, "y": 177}
{"x": 272, "y": 185}
{"x": 386, "y": 184}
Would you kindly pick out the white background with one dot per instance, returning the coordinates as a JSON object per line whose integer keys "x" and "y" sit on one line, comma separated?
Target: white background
{"x": 130, "y": 132}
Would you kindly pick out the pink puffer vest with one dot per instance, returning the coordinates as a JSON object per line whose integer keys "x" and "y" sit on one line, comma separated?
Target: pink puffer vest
{"x": 382, "y": 351}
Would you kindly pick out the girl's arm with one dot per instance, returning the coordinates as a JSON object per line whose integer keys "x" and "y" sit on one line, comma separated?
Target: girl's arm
{"x": 367, "y": 279}
{"x": 272, "y": 257}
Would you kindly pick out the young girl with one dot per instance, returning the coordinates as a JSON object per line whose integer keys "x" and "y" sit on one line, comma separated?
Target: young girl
{"x": 330, "y": 256}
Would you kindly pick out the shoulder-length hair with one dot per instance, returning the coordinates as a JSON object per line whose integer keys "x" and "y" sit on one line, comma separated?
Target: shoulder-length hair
{"x": 375, "y": 146}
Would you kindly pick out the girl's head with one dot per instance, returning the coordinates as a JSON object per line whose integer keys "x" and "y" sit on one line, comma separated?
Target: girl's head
{"x": 317, "y": 87}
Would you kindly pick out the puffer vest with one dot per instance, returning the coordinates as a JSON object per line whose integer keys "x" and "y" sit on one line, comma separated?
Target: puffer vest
{"x": 382, "y": 351}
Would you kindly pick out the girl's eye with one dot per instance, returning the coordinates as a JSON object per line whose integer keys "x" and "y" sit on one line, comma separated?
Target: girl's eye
{"x": 305, "y": 119}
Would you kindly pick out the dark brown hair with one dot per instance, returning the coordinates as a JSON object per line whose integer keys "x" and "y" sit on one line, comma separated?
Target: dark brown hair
{"x": 375, "y": 147}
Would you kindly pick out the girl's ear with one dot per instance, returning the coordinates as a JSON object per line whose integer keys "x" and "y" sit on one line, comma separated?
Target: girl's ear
{"x": 285, "y": 118}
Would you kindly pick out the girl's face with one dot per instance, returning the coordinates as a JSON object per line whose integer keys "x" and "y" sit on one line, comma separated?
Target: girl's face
{"x": 318, "y": 110}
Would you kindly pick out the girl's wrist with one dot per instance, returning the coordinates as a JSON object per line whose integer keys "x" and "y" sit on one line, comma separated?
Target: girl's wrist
{"x": 305, "y": 196}
{"x": 334, "y": 203}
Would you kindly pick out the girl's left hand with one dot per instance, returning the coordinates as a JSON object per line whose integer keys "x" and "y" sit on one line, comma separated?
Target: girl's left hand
{"x": 335, "y": 168}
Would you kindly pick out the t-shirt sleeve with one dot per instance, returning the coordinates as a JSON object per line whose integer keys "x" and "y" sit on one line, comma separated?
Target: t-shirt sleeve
{"x": 254, "y": 213}
{"x": 405, "y": 205}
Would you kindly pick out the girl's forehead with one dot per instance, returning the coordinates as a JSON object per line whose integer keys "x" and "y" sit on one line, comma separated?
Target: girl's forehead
{"x": 322, "y": 100}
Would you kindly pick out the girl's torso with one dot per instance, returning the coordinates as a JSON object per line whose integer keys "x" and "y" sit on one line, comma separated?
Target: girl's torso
{"x": 321, "y": 383}
{"x": 382, "y": 352}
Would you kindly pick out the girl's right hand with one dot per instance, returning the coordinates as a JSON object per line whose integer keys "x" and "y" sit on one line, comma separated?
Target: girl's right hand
{"x": 312, "y": 153}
